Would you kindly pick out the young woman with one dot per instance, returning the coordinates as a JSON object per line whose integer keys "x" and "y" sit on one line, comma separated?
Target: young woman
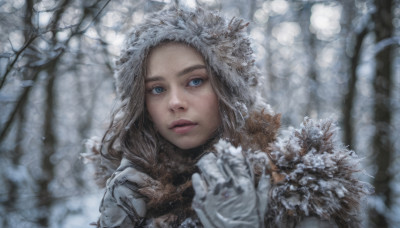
{"x": 194, "y": 145}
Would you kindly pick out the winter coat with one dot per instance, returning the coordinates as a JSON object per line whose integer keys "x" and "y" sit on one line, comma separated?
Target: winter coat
{"x": 312, "y": 179}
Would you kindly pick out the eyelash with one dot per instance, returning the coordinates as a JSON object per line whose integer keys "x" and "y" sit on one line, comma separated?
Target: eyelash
{"x": 200, "y": 80}
{"x": 196, "y": 79}
{"x": 152, "y": 90}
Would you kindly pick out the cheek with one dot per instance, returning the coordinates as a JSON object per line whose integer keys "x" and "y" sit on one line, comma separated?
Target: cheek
{"x": 153, "y": 111}
{"x": 212, "y": 107}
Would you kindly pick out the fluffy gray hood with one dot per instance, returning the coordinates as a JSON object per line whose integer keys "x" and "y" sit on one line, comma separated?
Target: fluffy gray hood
{"x": 224, "y": 45}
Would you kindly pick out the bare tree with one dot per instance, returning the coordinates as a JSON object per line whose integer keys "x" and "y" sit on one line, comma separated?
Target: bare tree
{"x": 41, "y": 56}
{"x": 382, "y": 145}
{"x": 356, "y": 36}
{"x": 12, "y": 184}
{"x": 310, "y": 42}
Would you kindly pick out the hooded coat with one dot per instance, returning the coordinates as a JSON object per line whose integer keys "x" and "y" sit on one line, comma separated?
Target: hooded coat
{"x": 312, "y": 175}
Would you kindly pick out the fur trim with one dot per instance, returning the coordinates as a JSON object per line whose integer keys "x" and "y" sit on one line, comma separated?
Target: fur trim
{"x": 224, "y": 45}
{"x": 318, "y": 177}
{"x": 312, "y": 175}
{"x": 170, "y": 194}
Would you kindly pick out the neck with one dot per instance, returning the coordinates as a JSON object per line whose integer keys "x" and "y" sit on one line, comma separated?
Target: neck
{"x": 192, "y": 153}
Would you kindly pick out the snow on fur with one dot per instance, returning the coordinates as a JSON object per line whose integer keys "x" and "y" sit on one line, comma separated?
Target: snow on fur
{"x": 319, "y": 176}
{"x": 224, "y": 45}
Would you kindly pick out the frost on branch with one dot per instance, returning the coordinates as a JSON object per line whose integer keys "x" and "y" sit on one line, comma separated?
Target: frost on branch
{"x": 319, "y": 176}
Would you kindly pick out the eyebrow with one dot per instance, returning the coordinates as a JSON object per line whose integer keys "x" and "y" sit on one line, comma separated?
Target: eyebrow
{"x": 181, "y": 73}
{"x": 190, "y": 69}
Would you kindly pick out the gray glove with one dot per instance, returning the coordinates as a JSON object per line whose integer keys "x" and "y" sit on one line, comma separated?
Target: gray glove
{"x": 225, "y": 191}
{"x": 122, "y": 205}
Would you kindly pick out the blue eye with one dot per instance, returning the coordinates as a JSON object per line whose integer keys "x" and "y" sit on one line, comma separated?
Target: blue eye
{"x": 157, "y": 90}
{"x": 196, "y": 82}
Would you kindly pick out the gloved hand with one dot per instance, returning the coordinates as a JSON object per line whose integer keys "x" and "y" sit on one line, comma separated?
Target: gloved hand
{"x": 122, "y": 205}
{"x": 225, "y": 191}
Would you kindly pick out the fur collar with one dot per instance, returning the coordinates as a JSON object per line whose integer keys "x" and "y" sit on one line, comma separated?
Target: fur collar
{"x": 312, "y": 174}
{"x": 173, "y": 196}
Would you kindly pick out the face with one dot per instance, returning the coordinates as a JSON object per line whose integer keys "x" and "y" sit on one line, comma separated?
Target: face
{"x": 179, "y": 97}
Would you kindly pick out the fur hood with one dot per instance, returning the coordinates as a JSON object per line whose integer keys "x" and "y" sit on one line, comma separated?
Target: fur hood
{"x": 224, "y": 45}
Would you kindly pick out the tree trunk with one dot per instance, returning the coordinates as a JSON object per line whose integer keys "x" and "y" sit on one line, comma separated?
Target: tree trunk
{"x": 349, "y": 97}
{"x": 13, "y": 186}
{"x": 383, "y": 149}
{"x": 310, "y": 43}
{"x": 49, "y": 146}
{"x": 45, "y": 195}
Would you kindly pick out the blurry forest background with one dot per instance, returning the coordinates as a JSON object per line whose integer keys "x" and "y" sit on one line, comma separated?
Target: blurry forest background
{"x": 322, "y": 58}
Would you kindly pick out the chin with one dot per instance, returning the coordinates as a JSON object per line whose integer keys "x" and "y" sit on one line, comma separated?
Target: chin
{"x": 188, "y": 145}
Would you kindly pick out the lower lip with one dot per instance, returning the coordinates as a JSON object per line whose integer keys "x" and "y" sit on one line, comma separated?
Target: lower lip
{"x": 183, "y": 129}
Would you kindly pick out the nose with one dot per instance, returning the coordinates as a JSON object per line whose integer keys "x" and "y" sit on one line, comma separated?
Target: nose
{"x": 177, "y": 100}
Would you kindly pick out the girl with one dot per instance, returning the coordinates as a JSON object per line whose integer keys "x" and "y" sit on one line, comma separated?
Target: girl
{"x": 193, "y": 144}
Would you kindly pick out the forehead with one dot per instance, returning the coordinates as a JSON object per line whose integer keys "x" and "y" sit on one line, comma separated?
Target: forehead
{"x": 173, "y": 55}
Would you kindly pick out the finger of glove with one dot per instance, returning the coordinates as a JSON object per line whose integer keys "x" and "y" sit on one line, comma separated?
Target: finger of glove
{"x": 226, "y": 207}
{"x": 205, "y": 220}
{"x": 238, "y": 205}
{"x": 230, "y": 153}
{"x": 238, "y": 164}
{"x": 232, "y": 222}
{"x": 200, "y": 186}
{"x": 231, "y": 160}
{"x": 126, "y": 172}
{"x": 234, "y": 211}
{"x": 132, "y": 175}
{"x": 209, "y": 170}
{"x": 208, "y": 214}
{"x": 262, "y": 195}
{"x": 203, "y": 202}
{"x": 112, "y": 215}
{"x": 130, "y": 200}
{"x": 235, "y": 170}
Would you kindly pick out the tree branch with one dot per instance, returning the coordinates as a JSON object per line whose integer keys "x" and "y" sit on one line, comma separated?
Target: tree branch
{"x": 17, "y": 54}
